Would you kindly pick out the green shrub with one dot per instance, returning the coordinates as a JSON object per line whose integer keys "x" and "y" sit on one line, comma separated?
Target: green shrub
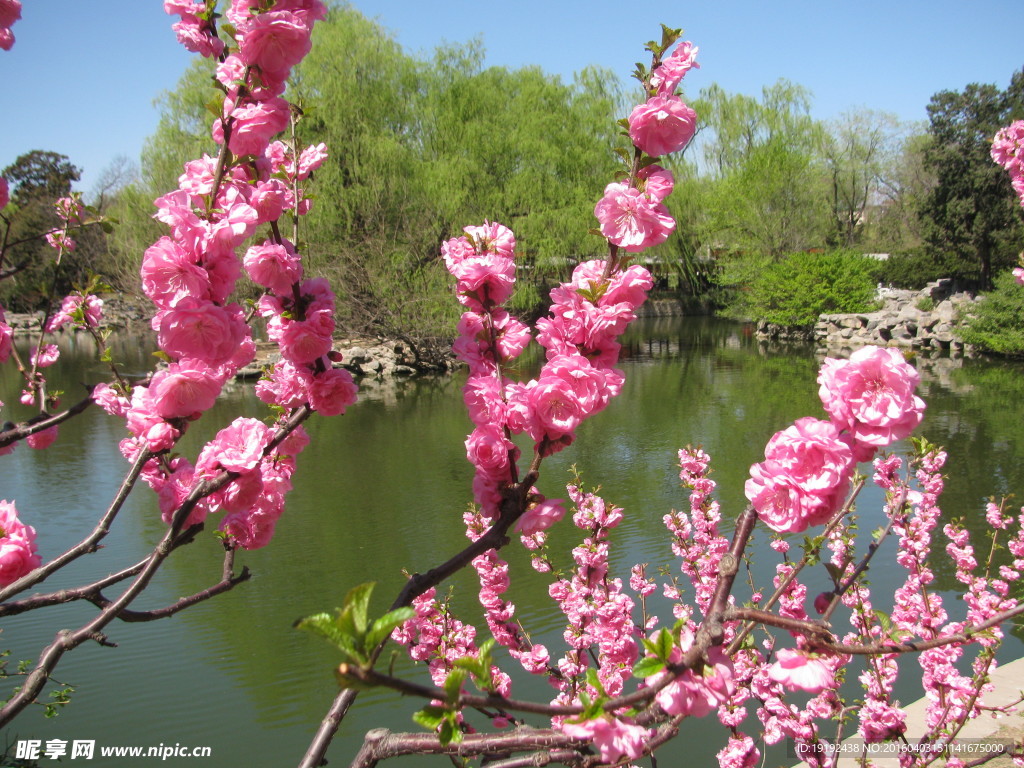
{"x": 793, "y": 291}
{"x": 913, "y": 270}
{"x": 997, "y": 323}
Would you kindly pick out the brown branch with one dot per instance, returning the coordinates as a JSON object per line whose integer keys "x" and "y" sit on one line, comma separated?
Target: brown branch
{"x": 67, "y": 640}
{"x": 41, "y": 422}
{"x": 89, "y": 543}
{"x": 381, "y": 744}
{"x": 910, "y": 646}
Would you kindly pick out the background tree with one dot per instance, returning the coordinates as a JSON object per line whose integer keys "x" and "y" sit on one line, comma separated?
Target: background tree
{"x": 858, "y": 150}
{"x": 37, "y": 179}
{"x": 972, "y": 215}
{"x": 766, "y": 194}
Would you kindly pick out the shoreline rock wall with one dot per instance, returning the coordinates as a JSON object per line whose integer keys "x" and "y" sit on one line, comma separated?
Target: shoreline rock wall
{"x": 924, "y": 320}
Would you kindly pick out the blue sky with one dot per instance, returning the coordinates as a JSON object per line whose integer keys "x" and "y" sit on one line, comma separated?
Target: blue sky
{"x": 83, "y": 74}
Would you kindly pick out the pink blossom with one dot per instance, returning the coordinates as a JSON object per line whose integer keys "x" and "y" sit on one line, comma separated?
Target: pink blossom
{"x": 170, "y": 273}
{"x": 664, "y": 124}
{"x": 658, "y": 182}
{"x": 872, "y": 395}
{"x": 184, "y": 389}
{"x": 540, "y": 517}
{"x": 275, "y": 266}
{"x": 253, "y": 125}
{"x": 806, "y": 473}
{"x": 197, "y": 37}
{"x": 555, "y": 408}
{"x": 43, "y": 439}
{"x": 488, "y": 449}
{"x": 1018, "y": 275}
{"x": 270, "y": 199}
{"x": 332, "y": 391}
{"x": 492, "y": 237}
{"x": 238, "y": 447}
{"x": 274, "y": 42}
{"x": 6, "y": 39}
{"x": 45, "y": 357}
{"x": 10, "y": 12}
{"x": 202, "y": 330}
{"x": 17, "y": 546}
{"x": 311, "y": 158}
{"x": 615, "y": 738}
{"x": 796, "y": 669}
{"x": 632, "y": 220}
{"x": 1008, "y": 147}
{"x": 5, "y": 193}
{"x": 287, "y": 385}
{"x": 79, "y": 310}
{"x": 107, "y": 398}
{"x": 665, "y": 78}
{"x": 739, "y": 752}
{"x": 253, "y": 528}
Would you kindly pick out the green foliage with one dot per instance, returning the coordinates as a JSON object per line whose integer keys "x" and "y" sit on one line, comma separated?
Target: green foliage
{"x": 794, "y": 290}
{"x": 351, "y": 630}
{"x": 914, "y": 269}
{"x": 972, "y": 212}
{"x": 765, "y": 190}
{"x": 421, "y": 148}
{"x": 997, "y": 323}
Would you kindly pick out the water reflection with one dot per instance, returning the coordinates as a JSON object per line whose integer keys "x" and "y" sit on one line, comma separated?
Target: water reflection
{"x": 381, "y": 490}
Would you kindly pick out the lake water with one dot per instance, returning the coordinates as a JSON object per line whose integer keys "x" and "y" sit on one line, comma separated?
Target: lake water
{"x": 381, "y": 490}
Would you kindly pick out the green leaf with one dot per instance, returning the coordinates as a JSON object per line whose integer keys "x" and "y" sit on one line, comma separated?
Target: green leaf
{"x": 385, "y": 625}
{"x": 329, "y": 628}
{"x": 447, "y": 733}
{"x": 453, "y": 684}
{"x": 430, "y": 717}
{"x": 357, "y": 602}
{"x": 834, "y": 572}
{"x": 647, "y": 667}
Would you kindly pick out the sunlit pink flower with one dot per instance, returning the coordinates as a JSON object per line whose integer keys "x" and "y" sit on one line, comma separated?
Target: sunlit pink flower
{"x": 274, "y": 42}
{"x": 253, "y": 126}
{"x": 540, "y": 517}
{"x": 666, "y": 77}
{"x": 17, "y": 546}
{"x": 46, "y": 356}
{"x": 632, "y": 220}
{"x": 662, "y": 125}
{"x": 657, "y": 182}
{"x": 201, "y": 330}
{"x": 614, "y": 738}
{"x": 872, "y": 395}
{"x": 184, "y": 389}
{"x": 332, "y": 391}
{"x": 275, "y": 266}
{"x": 796, "y": 669}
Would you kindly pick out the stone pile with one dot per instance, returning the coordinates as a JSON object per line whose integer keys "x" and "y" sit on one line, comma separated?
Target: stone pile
{"x": 925, "y": 319}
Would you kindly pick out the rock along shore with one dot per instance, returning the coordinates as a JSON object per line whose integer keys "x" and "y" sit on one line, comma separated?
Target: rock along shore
{"x": 924, "y": 320}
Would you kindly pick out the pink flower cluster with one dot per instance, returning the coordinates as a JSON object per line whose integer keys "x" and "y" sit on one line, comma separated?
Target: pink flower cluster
{"x": 17, "y": 546}
{"x": 190, "y": 275}
{"x": 578, "y": 379}
{"x": 1008, "y": 151}
{"x": 805, "y": 476}
{"x": 696, "y": 693}
{"x": 78, "y": 310}
{"x": 632, "y": 213}
{"x": 615, "y": 738}
{"x": 10, "y": 12}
